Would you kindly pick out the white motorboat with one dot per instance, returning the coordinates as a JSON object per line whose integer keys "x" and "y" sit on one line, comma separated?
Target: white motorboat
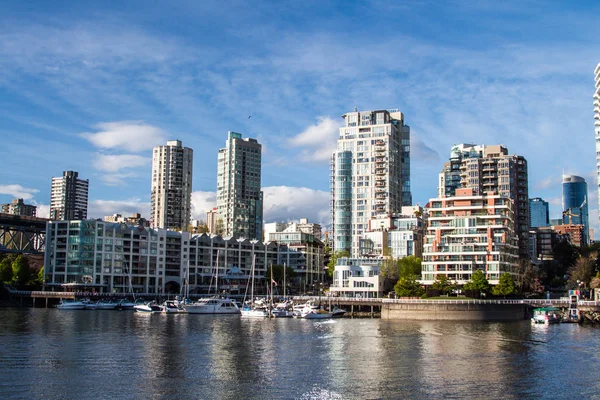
{"x": 283, "y": 310}
{"x": 337, "y": 312}
{"x": 125, "y": 304}
{"x": 169, "y": 307}
{"x": 214, "y": 305}
{"x": 106, "y": 305}
{"x": 71, "y": 305}
{"x": 312, "y": 313}
{"x": 151, "y": 308}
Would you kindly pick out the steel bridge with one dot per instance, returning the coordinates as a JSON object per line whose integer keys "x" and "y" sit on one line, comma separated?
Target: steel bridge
{"x": 22, "y": 234}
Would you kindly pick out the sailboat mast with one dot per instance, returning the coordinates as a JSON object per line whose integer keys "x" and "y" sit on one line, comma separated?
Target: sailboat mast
{"x": 217, "y": 276}
{"x": 252, "y": 272}
{"x": 284, "y": 283}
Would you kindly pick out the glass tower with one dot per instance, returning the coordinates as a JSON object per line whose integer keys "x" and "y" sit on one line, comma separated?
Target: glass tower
{"x": 574, "y": 203}
{"x": 539, "y": 213}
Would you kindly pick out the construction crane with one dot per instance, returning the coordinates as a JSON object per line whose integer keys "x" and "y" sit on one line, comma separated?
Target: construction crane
{"x": 568, "y": 212}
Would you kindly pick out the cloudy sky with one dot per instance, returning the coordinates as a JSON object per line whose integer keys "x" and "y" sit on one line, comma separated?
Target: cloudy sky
{"x": 92, "y": 86}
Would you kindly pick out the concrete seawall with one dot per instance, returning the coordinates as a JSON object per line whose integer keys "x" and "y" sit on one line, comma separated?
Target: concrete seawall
{"x": 454, "y": 312}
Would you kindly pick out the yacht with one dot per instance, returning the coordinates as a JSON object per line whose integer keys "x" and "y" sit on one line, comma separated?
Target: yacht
{"x": 106, "y": 305}
{"x": 149, "y": 308}
{"x": 71, "y": 305}
{"x": 213, "y": 305}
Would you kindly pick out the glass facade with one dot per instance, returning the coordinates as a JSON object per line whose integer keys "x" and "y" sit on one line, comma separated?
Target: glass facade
{"x": 574, "y": 202}
{"x": 539, "y": 213}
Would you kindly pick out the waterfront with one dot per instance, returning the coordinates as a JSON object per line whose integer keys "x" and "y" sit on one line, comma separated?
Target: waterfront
{"x": 51, "y": 354}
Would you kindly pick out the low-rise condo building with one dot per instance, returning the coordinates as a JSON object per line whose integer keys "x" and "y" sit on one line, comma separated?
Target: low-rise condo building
{"x": 469, "y": 232}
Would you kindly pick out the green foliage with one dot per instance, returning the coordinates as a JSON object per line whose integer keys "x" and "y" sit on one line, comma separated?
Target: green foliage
{"x": 6, "y": 272}
{"x": 410, "y": 265}
{"x": 333, "y": 260}
{"x": 506, "y": 285}
{"x": 478, "y": 283}
{"x": 442, "y": 284}
{"x": 582, "y": 271}
{"x": 278, "y": 274}
{"x": 41, "y": 278}
{"x": 409, "y": 287}
{"x": 21, "y": 271}
{"x": 565, "y": 255}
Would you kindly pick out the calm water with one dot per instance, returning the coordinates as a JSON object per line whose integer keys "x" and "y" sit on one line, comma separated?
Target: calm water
{"x": 52, "y": 354}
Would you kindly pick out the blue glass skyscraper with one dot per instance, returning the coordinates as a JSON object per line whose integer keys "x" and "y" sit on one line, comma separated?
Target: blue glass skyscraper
{"x": 574, "y": 203}
{"x": 539, "y": 214}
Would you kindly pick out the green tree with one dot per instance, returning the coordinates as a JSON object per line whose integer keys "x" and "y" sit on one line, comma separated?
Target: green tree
{"x": 278, "y": 274}
{"x": 409, "y": 265}
{"x": 506, "y": 285}
{"x": 6, "y": 272}
{"x": 409, "y": 287}
{"x": 41, "y": 278}
{"x": 477, "y": 285}
{"x": 442, "y": 284}
{"x": 582, "y": 271}
{"x": 21, "y": 270}
{"x": 333, "y": 260}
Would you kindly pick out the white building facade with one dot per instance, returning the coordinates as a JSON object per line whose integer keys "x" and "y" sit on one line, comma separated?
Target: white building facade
{"x": 370, "y": 173}
{"x": 357, "y": 277}
{"x": 172, "y": 167}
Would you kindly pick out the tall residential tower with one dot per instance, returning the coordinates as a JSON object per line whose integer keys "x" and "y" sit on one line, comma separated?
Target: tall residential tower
{"x": 69, "y": 197}
{"x": 370, "y": 173}
{"x": 597, "y": 125}
{"x": 239, "y": 195}
{"x": 172, "y": 186}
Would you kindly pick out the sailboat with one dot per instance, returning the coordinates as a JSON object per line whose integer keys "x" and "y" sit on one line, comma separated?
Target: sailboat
{"x": 285, "y": 308}
{"x": 215, "y": 304}
{"x": 251, "y": 309}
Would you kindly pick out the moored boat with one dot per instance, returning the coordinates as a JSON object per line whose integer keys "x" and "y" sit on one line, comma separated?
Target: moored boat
{"x": 546, "y": 315}
{"x": 71, "y": 305}
{"x": 150, "y": 307}
{"x": 213, "y": 305}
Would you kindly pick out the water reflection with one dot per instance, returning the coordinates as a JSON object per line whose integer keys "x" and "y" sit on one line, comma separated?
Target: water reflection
{"x": 54, "y": 355}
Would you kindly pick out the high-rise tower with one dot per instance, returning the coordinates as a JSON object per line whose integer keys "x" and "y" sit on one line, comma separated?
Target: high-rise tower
{"x": 69, "y": 197}
{"x": 597, "y": 125}
{"x": 239, "y": 195}
{"x": 172, "y": 186}
{"x": 539, "y": 213}
{"x": 498, "y": 172}
{"x": 370, "y": 173}
{"x": 574, "y": 203}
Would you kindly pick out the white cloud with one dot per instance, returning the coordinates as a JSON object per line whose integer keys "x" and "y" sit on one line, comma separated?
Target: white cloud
{"x": 281, "y": 203}
{"x": 18, "y": 191}
{"x": 116, "y": 162}
{"x": 284, "y": 203}
{"x": 117, "y": 179}
{"x": 101, "y": 208}
{"x": 320, "y": 139}
{"x": 126, "y": 135}
{"x": 201, "y": 203}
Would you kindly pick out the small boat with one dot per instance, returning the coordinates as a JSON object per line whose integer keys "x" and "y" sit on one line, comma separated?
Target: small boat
{"x": 337, "y": 312}
{"x": 254, "y": 309}
{"x": 283, "y": 310}
{"x": 214, "y": 305}
{"x": 309, "y": 312}
{"x": 71, "y": 305}
{"x": 89, "y": 305}
{"x": 106, "y": 305}
{"x": 125, "y": 304}
{"x": 546, "y": 315}
{"x": 150, "y": 307}
{"x": 169, "y": 307}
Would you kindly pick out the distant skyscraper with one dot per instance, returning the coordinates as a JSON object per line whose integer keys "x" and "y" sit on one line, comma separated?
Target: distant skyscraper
{"x": 498, "y": 172}
{"x": 539, "y": 213}
{"x": 172, "y": 186}
{"x": 597, "y": 126}
{"x": 18, "y": 207}
{"x": 574, "y": 203}
{"x": 239, "y": 195}
{"x": 370, "y": 173}
{"x": 211, "y": 220}
{"x": 69, "y": 197}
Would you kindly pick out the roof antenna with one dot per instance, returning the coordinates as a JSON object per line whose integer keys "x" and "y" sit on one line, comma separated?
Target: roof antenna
{"x": 355, "y": 109}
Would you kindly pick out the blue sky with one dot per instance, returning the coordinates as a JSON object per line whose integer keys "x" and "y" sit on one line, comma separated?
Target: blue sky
{"x": 93, "y": 86}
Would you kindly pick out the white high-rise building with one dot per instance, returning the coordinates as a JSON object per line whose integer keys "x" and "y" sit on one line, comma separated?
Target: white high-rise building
{"x": 597, "y": 125}
{"x": 69, "y": 197}
{"x": 172, "y": 186}
{"x": 239, "y": 195}
{"x": 370, "y": 173}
